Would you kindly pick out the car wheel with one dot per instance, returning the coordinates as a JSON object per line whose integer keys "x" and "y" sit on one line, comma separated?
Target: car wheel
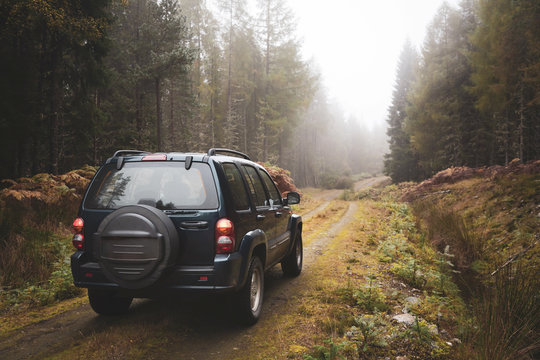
{"x": 292, "y": 264}
{"x": 249, "y": 299}
{"x": 106, "y": 302}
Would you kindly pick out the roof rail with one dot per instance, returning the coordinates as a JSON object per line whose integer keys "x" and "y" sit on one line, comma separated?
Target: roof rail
{"x": 215, "y": 151}
{"x": 129, "y": 152}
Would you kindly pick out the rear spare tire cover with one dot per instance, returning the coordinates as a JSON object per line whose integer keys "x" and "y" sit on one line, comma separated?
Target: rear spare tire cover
{"x": 135, "y": 244}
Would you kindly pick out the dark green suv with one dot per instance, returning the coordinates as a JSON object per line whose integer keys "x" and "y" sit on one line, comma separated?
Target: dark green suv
{"x": 151, "y": 223}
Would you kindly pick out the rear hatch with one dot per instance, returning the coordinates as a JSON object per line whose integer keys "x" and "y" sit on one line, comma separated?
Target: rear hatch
{"x": 187, "y": 194}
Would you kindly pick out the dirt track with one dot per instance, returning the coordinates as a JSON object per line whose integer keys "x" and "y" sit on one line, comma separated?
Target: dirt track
{"x": 203, "y": 325}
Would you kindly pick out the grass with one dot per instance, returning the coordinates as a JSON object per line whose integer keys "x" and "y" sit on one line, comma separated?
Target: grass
{"x": 491, "y": 229}
{"x": 309, "y": 201}
{"x": 9, "y": 324}
{"x": 343, "y": 306}
{"x": 507, "y": 313}
{"x": 321, "y": 222}
{"x": 35, "y": 241}
{"x": 346, "y": 311}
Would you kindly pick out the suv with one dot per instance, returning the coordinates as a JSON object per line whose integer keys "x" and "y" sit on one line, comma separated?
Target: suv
{"x": 154, "y": 223}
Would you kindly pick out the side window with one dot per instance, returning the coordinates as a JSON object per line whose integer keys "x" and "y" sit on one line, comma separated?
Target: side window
{"x": 275, "y": 197}
{"x": 240, "y": 197}
{"x": 256, "y": 186}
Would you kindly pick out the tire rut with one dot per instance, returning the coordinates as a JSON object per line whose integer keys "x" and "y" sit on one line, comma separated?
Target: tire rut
{"x": 279, "y": 291}
{"x": 204, "y": 326}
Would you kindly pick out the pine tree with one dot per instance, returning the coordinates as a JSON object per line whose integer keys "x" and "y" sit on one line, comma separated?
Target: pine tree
{"x": 401, "y": 163}
{"x": 51, "y": 60}
{"x": 441, "y": 118}
{"x": 507, "y": 76}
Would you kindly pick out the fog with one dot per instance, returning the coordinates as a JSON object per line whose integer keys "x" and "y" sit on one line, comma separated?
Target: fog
{"x": 356, "y": 46}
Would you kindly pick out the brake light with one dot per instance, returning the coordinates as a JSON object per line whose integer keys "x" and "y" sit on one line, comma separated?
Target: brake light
{"x": 154, "y": 157}
{"x": 78, "y": 225}
{"x": 224, "y": 236}
{"x": 78, "y": 237}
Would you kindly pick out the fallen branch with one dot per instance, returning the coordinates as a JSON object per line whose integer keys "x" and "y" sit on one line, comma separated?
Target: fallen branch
{"x": 515, "y": 257}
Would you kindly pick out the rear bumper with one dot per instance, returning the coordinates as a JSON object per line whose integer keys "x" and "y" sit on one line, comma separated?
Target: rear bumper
{"x": 223, "y": 276}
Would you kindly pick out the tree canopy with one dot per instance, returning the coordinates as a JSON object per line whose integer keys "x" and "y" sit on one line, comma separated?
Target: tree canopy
{"x": 474, "y": 99}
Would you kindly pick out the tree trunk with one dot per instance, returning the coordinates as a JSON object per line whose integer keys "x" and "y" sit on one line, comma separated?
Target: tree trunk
{"x": 229, "y": 75}
{"x": 267, "y": 83}
{"x": 171, "y": 119}
{"x": 138, "y": 115}
{"x": 53, "y": 139}
{"x": 158, "y": 114}
{"x": 521, "y": 119}
{"x": 212, "y": 121}
{"x": 95, "y": 137}
{"x": 54, "y": 103}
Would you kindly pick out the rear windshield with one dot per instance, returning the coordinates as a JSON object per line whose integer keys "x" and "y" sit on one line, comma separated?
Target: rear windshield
{"x": 164, "y": 185}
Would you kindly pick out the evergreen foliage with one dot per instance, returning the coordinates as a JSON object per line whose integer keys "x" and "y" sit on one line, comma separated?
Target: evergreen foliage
{"x": 400, "y": 163}
{"x": 86, "y": 78}
{"x": 474, "y": 99}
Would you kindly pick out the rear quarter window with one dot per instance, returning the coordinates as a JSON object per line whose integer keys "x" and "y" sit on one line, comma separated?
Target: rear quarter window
{"x": 275, "y": 196}
{"x": 255, "y": 186}
{"x": 236, "y": 184}
{"x": 164, "y": 185}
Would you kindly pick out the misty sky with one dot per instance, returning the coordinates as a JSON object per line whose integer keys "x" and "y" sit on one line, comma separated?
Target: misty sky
{"x": 356, "y": 46}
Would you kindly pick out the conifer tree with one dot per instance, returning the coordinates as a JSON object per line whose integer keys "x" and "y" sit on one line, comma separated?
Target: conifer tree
{"x": 507, "y": 76}
{"x": 400, "y": 163}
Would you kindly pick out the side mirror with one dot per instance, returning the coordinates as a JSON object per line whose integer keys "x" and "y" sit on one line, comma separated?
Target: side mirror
{"x": 292, "y": 198}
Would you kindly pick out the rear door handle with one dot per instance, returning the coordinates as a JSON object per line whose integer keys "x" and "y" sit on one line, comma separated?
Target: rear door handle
{"x": 261, "y": 217}
{"x": 194, "y": 224}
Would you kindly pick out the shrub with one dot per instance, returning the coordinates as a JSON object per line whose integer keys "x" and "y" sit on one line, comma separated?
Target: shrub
{"x": 35, "y": 214}
{"x": 333, "y": 181}
{"x": 370, "y": 330}
{"x": 507, "y": 316}
{"x": 370, "y": 296}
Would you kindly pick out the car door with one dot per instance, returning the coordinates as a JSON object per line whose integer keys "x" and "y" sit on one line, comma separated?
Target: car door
{"x": 281, "y": 215}
{"x": 264, "y": 216}
{"x": 244, "y": 216}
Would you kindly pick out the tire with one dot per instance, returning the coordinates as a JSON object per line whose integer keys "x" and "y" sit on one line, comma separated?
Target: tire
{"x": 143, "y": 228}
{"x": 249, "y": 299}
{"x": 292, "y": 264}
{"x": 105, "y": 302}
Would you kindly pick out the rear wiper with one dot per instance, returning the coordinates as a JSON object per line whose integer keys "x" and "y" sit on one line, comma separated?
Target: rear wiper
{"x": 179, "y": 212}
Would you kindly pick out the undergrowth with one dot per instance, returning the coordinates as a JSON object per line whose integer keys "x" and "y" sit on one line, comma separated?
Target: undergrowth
{"x": 392, "y": 237}
{"x": 35, "y": 243}
{"x": 491, "y": 227}
{"x": 57, "y": 282}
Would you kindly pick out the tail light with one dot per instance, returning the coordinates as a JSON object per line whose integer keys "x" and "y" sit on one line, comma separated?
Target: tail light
{"x": 154, "y": 157}
{"x": 78, "y": 237}
{"x": 224, "y": 236}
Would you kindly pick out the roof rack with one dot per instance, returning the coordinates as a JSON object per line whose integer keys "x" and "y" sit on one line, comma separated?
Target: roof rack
{"x": 129, "y": 152}
{"x": 215, "y": 151}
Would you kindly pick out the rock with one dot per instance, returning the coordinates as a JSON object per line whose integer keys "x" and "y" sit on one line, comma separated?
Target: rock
{"x": 445, "y": 334}
{"x": 406, "y": 319}
{"x": 413, "y": 300}
{"x": 353, "y": 331}
{"x": 402, "y": 358}
{"x": 410, "y": 302}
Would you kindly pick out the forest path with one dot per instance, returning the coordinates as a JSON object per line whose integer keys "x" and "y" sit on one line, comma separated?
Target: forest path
{"x": 328, "y": 195}
{"x": 202, "y": 328}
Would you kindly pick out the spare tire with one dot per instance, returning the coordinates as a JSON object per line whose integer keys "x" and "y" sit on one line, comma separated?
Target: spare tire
{"x": 135, "y": 244}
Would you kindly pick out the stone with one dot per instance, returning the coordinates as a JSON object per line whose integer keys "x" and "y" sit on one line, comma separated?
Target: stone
{"x": 406, "y": 319}
{"x": 410, "y": 302}
{"x": 413, "y": 300}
